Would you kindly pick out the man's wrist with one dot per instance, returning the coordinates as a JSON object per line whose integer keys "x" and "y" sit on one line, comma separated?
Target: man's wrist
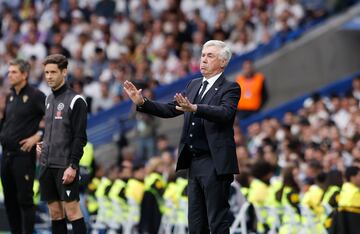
{"x": 143, "y": 101}
{"x": 74, "y": 166}
{"x": 195, "y": 108}
{"x": 40, "y": 133}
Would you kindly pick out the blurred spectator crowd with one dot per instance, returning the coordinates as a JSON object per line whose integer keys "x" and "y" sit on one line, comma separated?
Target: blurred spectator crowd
{"x": 322, "y": 136}
{"x": 155, "y": 42}
{"x": 150, "y": 42}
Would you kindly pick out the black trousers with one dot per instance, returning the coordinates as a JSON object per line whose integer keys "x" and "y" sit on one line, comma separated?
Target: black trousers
{"x": 17, "y": 177}
{"x": 208, "y": 195}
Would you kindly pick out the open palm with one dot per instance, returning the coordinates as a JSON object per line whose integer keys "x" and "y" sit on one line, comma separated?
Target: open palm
{"x": 133, "y": 93}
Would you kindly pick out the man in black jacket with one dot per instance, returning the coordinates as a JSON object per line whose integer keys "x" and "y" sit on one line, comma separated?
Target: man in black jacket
{"x": 62, "y": 148}
{"x": 19, "y": 134}
{"x": 207, "y": 146}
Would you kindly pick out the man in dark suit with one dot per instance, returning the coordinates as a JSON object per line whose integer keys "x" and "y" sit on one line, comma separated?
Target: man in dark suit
{"x": 207, "y": 146}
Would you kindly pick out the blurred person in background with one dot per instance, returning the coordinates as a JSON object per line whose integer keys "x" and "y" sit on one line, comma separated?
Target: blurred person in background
{"x": 168, "y": 165}
{"x": 105, "y": 101}
{"x": 259, "y": 192}
{"x": 19, "y": 133}
{"x": 314, "y": 9}
{"x": 312, "y": 169}
{"x": 346, "y": 217}
{"x": 332, "y": 186}
{"x": 78, "y": 87}
{"x": 146, "y": 132}
{"x": 356, "y": 87}
{"x": 152, "y": 204}
{"x": 127, "y": 153}
{"x": 163, "y": 145}
{"x": 254, "y": 93}
{"x": 264, "y": 29}
{"x": 261, "y": 172}
{"x": 242, "y": 43}
{"x": 289, "y": 193}
{"x": 312, "y": 197}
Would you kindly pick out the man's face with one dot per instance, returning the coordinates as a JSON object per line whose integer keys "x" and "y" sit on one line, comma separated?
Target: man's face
{"x": 248, "y": 68}
{"x": 54, "y": 76}
{"x": 16, "y": 77}
{"x": 356, "y": 84}
{"x": 210, "y": 62}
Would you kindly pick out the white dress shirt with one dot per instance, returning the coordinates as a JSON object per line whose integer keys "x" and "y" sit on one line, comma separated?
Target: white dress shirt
{"x": 211, "y": 81}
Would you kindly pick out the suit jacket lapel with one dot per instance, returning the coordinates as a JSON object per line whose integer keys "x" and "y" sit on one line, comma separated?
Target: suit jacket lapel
{"x": 213, "y": 90}
{"x": 194, "y": 91}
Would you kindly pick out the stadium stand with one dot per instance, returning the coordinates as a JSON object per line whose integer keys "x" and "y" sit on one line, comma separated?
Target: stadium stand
{"x": 156, "y": 43}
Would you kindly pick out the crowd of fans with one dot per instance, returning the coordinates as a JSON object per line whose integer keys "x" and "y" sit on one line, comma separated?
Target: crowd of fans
{"x": 324, "y": 135}
{"x": 155, "y": 42}
{"x": 150, "y": 42}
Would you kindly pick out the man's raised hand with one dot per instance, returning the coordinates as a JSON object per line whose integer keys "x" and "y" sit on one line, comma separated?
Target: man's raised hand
{"x": 133, "y": 93}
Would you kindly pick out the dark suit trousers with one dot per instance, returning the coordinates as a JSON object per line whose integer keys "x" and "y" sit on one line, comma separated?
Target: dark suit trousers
{"x": 208, "y": 195}
{"x": 17, "y": 177}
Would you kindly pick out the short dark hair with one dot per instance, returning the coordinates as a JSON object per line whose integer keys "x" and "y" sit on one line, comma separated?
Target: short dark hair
{"x": 261, "y": 168}
{"x": 334, "y": 177}
{"x": 24, "y": 66}
{"x": 351, "y": 171}
{"x": 58, "y": 59}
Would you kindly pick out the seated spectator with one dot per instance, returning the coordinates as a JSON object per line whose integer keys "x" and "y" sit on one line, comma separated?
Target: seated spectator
{"x": 103, "y": 102}
{"x": 264, "y": 28}
{"x": 32, "y": 47}
{"x": 314, "y": 9}
{"x": 356, "y": 87}
{"x": 242, "y": 44}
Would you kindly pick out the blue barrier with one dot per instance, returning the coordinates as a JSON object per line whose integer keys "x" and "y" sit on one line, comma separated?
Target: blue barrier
{"x": 104, "y": 126}
{"x": 339, "y": 87}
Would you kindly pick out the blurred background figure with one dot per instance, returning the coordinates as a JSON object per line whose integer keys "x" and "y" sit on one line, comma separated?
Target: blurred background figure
{"x": 254, "y": 93}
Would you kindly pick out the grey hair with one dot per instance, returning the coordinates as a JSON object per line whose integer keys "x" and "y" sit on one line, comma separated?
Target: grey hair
{"x": 225, "y": 52}
{"x": 23, "y": 65}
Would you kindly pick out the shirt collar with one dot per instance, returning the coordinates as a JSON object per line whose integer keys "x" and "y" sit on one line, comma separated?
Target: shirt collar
{"x": 21, "y": 90}
{"x": 212, "y": 80}
{"x": 61, "y": 90}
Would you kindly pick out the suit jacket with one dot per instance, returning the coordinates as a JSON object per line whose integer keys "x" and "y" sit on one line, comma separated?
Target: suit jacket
{"x": 217, "y": 111}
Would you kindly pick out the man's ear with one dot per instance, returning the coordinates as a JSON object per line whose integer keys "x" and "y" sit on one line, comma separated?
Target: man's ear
{"x": 223, "y": 64}
{"x": 26, "y": 75}
{"x": 64, "y": 72}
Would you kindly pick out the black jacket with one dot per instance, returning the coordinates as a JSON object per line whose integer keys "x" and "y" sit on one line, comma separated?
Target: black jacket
{"x": 218, "y": 110}
{"x": 23, "y": 113}
{"x": 65, "y": 129}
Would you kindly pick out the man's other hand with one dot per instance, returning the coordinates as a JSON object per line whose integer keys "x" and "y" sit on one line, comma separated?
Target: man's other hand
{"x": 69, "y": 175}
{"x": 184, "y": 104}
